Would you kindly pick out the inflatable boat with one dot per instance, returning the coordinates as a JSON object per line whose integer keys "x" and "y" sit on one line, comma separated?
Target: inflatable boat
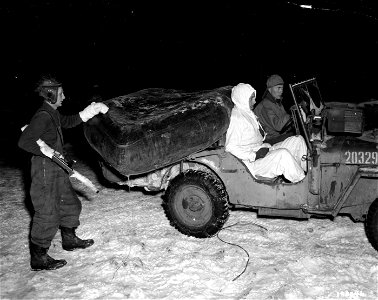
{"x": 152, "y": 128}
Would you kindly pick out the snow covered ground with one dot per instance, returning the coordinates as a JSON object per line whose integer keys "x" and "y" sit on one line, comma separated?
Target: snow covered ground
{"x": 138, "y": 255}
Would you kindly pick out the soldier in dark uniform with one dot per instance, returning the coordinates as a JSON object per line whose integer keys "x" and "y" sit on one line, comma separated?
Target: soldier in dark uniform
{"x": 55, "y": 202}
{"x": 272, "y": 114}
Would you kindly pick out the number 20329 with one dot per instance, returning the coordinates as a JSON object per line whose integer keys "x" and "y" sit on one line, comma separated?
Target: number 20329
{"x": 361, "y": 157}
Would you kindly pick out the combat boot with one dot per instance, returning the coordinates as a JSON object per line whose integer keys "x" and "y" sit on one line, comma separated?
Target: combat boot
{"x": 40, "y": 260}
{"x": 71, "y": 242}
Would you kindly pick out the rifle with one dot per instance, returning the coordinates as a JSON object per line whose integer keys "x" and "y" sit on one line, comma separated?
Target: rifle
{"x": 62, "y": 162}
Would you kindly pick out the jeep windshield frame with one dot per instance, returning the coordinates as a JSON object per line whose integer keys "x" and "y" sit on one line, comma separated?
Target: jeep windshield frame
{"x": 307, "y": 94}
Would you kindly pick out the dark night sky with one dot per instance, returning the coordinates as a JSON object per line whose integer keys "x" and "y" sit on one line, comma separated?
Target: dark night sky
{"x": 124, "y": 46}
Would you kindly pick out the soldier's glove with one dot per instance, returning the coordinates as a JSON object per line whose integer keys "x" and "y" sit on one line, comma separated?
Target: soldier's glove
{"x": 261, "y": 152}
{"x": 93, "y": 109}
{"x": 45, "y": 149}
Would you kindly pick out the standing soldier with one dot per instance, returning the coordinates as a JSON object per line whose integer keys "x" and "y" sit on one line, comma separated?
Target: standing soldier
{"x": 55, "y": 202}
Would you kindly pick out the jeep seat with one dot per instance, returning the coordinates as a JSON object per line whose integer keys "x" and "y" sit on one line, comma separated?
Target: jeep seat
{"x": 258, "y": 178}
{"x": 263, "y": 179}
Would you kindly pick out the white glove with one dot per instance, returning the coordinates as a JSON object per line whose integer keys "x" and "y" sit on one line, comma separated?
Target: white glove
{"x": 93, "y": 109}
{"x": 45, "y": 149}
{"x": 100, "y": 107}
{"x": 304, "y": 117}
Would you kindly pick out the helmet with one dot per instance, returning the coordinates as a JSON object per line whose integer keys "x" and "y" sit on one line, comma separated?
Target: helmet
{"x": 274, "y": 80}
{"x": 48, "y": 89}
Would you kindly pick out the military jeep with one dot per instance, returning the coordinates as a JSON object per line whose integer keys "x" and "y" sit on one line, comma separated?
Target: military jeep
{"x": 342, "y": 175}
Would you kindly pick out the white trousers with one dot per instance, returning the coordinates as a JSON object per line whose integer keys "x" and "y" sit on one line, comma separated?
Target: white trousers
{"x": 297, "y": 147}
{"x": 284, "y": 158}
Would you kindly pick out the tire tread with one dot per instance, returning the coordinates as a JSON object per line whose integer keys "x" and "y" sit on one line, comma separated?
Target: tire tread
{"x": 371, "y": 224}
{"x": 220, "y": 196}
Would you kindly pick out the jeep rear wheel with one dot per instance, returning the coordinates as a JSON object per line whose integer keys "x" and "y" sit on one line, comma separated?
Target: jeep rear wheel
{"x": 196, "y": 204}
{"x": 371, "y": 224}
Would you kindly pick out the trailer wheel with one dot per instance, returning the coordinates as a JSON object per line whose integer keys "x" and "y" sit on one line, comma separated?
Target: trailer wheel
{"x": 371, "y": 224}
{"x": 196, "y": 204}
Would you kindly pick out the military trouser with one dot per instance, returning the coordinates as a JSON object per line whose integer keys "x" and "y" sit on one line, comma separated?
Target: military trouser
{"x": 54, "y": 199}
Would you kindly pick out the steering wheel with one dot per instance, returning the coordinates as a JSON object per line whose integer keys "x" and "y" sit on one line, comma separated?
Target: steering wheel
{"x": 289, "y": 126}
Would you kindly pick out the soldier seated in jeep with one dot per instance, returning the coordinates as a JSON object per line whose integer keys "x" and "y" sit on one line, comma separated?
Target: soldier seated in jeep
{"x": 245, "y": 139}
{"x": 277, "y": 123}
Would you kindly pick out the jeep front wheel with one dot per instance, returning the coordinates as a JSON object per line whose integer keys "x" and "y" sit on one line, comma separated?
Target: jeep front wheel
{"x": 371, "y": 224}
{"x": 196, "y": 203}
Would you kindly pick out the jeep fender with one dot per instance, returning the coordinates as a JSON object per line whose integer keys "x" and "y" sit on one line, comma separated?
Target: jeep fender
{"x": 364, "y": 182}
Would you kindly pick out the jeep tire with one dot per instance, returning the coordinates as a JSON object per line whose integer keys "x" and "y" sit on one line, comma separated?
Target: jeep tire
{"x": 371, "y": 224}
{"x": 196, "y": 204}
